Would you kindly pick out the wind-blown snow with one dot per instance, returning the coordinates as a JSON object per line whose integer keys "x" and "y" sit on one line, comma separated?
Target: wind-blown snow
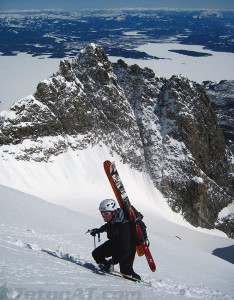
{"x": 46, "y": 254}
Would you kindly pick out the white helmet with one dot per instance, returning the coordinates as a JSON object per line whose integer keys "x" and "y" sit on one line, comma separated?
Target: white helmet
{"x": 108, "y": 205}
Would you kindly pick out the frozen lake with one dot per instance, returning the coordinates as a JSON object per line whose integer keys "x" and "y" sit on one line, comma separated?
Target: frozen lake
{"x": 215, "y": 67}
{"x": 20, "y": 74}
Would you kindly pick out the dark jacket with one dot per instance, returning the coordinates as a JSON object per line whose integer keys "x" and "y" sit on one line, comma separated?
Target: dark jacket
{"x": 119, "y": 234}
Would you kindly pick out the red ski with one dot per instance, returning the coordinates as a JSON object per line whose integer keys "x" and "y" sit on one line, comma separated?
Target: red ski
{"x": 128, "y": 209}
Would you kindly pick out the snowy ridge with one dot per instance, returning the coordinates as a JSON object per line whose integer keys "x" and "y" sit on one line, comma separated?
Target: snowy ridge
{"x": 41, "y": 252}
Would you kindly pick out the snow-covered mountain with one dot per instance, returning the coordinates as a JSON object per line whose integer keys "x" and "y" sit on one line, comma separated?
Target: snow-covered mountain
{"x": 165, "y": 128}
{"x": 45, "y": 254}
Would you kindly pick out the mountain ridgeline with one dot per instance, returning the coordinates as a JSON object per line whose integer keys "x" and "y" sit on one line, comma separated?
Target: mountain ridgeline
{"x": 166, "y": 128}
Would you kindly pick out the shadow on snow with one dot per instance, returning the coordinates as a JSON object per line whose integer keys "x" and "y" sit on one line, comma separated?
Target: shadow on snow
{"x": 226, "y": 253}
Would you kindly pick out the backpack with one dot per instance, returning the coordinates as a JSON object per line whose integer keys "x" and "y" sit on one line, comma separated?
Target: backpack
{"x": 144, "y": 237}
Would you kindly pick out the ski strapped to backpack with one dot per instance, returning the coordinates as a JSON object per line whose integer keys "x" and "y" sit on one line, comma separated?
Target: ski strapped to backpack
{"x": 131, "y": 213}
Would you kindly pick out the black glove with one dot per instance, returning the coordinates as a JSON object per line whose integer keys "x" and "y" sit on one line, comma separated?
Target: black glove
{"x": 94, "y": 231}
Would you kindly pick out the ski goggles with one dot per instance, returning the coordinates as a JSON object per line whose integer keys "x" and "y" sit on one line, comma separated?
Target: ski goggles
{"x": 106, "y": 213}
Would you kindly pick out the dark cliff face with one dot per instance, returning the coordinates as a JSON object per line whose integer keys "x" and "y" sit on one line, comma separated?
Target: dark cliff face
{"x": 222, "y": 98}
{"x": 165, "y": 127}
{"x": 184, "y": 147}
{"x": 205, "y": 186}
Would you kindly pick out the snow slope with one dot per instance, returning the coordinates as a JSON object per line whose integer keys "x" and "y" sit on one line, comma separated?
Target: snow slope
{"x": 32, "y": 229}
{"x": 76, "y": 180}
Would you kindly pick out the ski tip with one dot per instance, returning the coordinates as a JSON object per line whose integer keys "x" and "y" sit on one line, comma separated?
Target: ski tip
{"x": 107, "y": 165}
{"x": 153, "y": 269}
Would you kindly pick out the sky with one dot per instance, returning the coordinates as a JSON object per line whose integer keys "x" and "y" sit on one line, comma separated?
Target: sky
{"x": 83, "y": 4}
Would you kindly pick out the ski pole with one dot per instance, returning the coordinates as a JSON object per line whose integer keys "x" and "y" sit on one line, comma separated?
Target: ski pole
{"x": 99, "y": 239}
{"x": 94, "y": 242}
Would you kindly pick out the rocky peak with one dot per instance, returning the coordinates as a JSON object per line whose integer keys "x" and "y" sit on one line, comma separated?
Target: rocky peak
{"x": 82, "y": 105}
{"x": 92, "y": 64}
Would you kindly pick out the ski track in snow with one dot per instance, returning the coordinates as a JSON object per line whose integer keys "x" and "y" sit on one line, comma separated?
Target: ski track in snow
{"x": 45, "y": 254}
{"x": 71, "y": 268}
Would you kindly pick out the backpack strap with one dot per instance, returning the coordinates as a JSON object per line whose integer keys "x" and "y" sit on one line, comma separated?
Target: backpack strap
{"x": 125, "y": 221}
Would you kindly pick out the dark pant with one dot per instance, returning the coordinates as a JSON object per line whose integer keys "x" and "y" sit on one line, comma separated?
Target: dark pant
{"x": 105, "y": 250}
